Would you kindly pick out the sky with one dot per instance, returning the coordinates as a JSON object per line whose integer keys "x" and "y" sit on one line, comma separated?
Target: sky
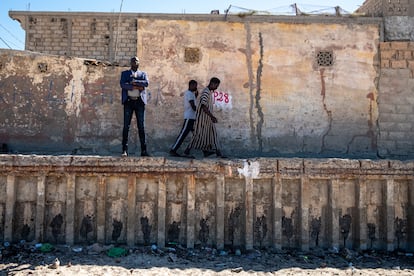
{"x": 12, "y": 36}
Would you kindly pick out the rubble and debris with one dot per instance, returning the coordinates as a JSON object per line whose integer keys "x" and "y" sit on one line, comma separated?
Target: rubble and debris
{"x": 55, "y": 264}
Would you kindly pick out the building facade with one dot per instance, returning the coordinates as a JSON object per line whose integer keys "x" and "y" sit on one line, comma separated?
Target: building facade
{"x": 291, "y": 86}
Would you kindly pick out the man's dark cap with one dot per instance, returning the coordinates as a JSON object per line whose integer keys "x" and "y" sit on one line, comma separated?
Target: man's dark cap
{"x": 135, "y": 59}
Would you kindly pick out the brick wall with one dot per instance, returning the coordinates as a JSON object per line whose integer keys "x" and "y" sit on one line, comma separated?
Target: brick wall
{"x": 371, "y": 7}
{"x": 387, "y": 8}
{"x": 100, "y": 36}
{"x": 397, "y": 55}
{"x": 396, "y": 98}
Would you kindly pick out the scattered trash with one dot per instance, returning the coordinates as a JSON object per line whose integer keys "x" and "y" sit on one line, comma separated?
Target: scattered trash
{"x": 170, "y": 249}
{"x": 117, "y": 252}
{"x": 191, "y": 253}
{"x": 172, "y": 257}
{"x": 355, "y": 261}
{"x": 77, "y": 249}
{"x": 334, "y": 250}
{"x": 95, "y": 249}
{"x": 55, "y": 264}
{"x": 46, "y": 247}
{"x": 237, "y": 269}
{"x": 255, "y": 254}
{"x": 223, "y": 253}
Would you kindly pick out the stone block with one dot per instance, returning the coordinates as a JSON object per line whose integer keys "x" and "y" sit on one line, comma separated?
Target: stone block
{"x": 399, "y": 64}
{"x": 388, "y": 54}
{"x": 385, "y": 46}
{"x": 400, "y": 45}
{"x": 385, "y": 63}
{"x": 408, "y": 55}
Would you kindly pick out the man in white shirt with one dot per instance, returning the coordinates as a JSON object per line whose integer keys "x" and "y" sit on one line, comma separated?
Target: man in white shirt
{"x": 189, "y": 116}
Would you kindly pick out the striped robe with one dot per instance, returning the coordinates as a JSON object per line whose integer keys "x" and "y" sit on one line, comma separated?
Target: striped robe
{"x": 205, "y": 134}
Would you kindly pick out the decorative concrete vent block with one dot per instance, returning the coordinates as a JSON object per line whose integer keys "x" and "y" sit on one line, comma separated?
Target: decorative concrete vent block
{"x": 192, "y": 55}
{"x": 324, "y": 58}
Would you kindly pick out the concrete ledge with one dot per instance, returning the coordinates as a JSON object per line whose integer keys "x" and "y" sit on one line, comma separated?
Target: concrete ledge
{"x": 263, "y": 202}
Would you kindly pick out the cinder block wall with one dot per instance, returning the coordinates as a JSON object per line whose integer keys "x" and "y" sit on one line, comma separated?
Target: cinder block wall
{"x": 387, "y": 8}
{"x": 372, "y": 8}
{"x": 260, "y": 203}
{"x": 109, "y": 37}
{"x": 396, "y": 98}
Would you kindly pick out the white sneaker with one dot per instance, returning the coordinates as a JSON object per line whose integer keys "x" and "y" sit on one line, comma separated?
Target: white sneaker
{"x": 124, "y": 154}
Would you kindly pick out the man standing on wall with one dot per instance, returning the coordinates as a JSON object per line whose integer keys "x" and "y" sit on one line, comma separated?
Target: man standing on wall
{"x": 205, "y": 134}
{"x": 134, "y": 99}
{"x": 189, "y": 116}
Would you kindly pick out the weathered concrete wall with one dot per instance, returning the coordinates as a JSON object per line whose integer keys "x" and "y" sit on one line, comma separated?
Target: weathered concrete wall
{"x": 58, "y": 104}
{"x": 283, "y": 93}
{"x": 274, "y": 97}
{"x": 399, "y": 28}
{"x": 279, "y": 203}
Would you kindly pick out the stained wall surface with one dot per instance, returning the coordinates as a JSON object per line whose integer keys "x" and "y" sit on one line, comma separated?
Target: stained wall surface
{"x": 279, "y": 94}
{"x": 257, "y": 203}
{"x": 290, "y": 87}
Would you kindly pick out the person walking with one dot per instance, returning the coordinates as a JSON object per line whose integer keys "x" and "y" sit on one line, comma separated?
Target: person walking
{"x": 189, "y": 116}
{"x": 205, "y": 135}
{"x": 134, "y": 98}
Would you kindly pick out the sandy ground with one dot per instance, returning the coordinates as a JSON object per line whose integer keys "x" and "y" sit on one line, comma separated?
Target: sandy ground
{"x": 94, "y": 260}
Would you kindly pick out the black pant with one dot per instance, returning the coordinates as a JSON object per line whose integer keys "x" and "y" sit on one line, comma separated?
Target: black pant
{"x": 131, "y": 106}
{"x": 187, "y": 127}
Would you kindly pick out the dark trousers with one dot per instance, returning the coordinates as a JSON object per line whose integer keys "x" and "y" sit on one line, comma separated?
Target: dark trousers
{"x": 187, "y": 127}
{"x": 131, "y": 106}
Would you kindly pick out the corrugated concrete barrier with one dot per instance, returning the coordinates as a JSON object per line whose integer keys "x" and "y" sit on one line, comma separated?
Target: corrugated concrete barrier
{"x": 277, "y": 203}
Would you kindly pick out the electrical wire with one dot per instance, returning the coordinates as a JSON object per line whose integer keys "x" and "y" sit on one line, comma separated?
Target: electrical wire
{"x": 5, "y": 42}
{"x": 296, "y": 9}
{"x": 9, "y": 32}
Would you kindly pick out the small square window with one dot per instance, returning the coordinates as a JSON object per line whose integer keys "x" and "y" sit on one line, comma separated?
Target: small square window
{"x": 192, "y": 55}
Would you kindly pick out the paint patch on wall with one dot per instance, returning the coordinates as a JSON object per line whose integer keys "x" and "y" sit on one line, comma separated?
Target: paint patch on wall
{"x": 250, "y": 169}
